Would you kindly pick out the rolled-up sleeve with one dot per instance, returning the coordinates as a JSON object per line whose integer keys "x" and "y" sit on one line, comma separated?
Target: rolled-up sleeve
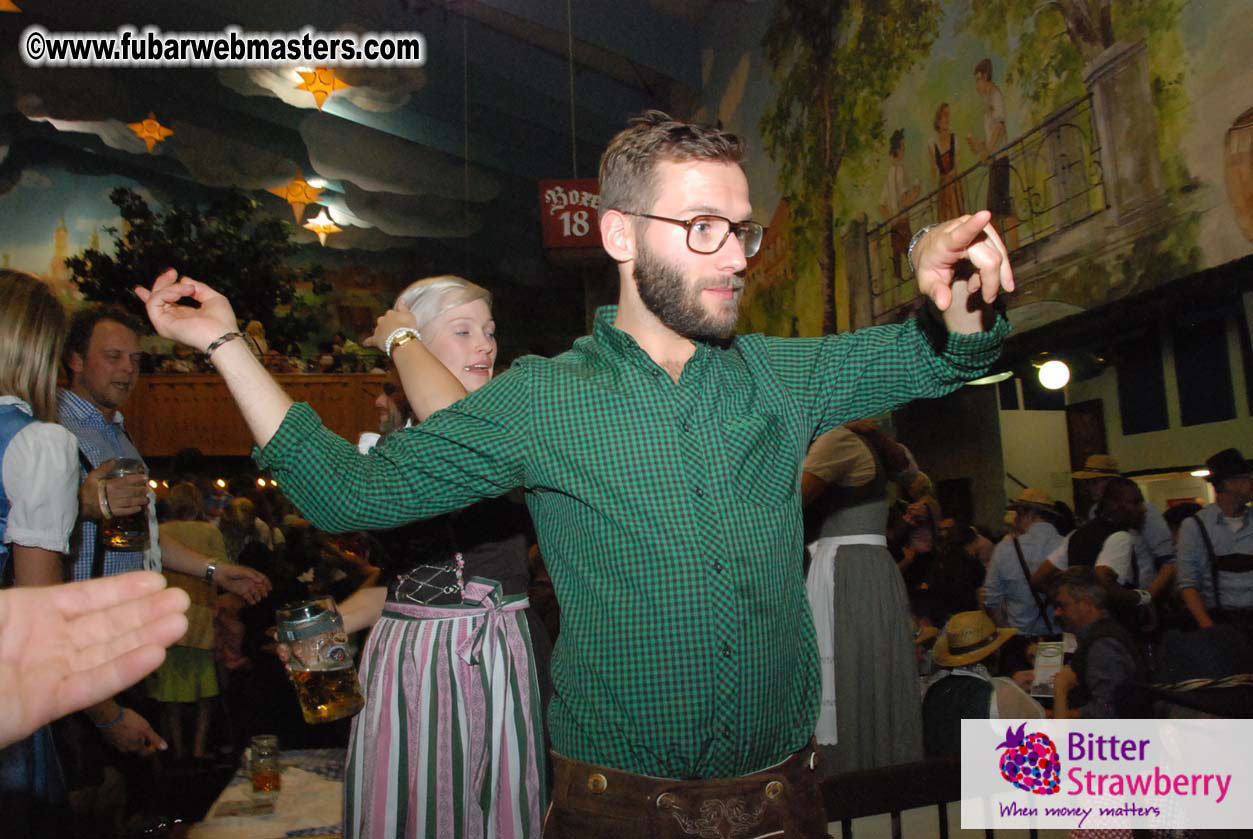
{"x": 40, "y": 474}
{"x": 1193, "y": 559}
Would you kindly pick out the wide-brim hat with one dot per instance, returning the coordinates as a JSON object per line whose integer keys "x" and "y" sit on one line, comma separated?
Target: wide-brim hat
{"x": 924, "y": 634}
{"x": 1229, "y": 463}
{"x": 1032, "y": 498}
{"x": 969, "y": 637}
{"x": 1098, "y": 466}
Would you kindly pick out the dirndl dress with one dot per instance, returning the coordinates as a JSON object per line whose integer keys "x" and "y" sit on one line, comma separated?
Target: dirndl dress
{"x": 449, "y": 744}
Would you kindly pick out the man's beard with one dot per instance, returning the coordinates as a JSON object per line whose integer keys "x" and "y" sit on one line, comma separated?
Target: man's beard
{"x": 667, "y": 294}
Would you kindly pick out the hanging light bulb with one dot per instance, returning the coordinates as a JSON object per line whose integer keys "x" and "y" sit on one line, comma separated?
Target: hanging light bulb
{"x": 1054, "y": 374}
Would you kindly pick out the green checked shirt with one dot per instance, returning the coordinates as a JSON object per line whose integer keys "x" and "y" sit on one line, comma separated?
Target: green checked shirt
{"x": 668, "y": 514}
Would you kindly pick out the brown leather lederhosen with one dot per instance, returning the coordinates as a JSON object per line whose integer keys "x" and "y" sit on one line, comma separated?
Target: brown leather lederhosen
{"x": 783, "y": 801}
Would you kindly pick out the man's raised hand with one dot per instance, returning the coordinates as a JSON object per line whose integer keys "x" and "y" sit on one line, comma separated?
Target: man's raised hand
{"x": 940, "y": 253}
{"x": 195, "y": 327}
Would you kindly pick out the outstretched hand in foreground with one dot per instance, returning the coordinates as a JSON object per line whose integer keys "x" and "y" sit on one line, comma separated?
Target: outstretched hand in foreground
{"x": 65, "y": 647}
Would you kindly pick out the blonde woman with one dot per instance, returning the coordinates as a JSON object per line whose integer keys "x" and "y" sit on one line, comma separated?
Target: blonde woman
{"x": 38, "y": 508}
{"x": 450, "y": 742}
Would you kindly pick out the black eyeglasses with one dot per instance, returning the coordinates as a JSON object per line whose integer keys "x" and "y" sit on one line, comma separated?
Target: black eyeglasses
{"x": 707, "y": 234}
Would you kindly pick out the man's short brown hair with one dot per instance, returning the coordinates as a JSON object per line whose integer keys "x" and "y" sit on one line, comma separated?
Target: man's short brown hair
{"x": 628, "y": 166}
{"x": 984, "y": 68}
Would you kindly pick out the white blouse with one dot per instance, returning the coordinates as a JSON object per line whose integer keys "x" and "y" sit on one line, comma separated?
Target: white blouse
{"x": 40, "y": 473}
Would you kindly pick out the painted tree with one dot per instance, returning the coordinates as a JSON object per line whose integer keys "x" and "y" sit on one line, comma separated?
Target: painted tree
{"x": 834, "y": 62}
{"x": 225, "y": 244}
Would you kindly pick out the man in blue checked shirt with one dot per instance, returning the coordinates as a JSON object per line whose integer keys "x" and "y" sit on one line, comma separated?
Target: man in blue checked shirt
{"x": 102, "y": 361}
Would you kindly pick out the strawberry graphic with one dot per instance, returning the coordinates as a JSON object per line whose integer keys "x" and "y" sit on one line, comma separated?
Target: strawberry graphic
{"x": 1030, "y": 763}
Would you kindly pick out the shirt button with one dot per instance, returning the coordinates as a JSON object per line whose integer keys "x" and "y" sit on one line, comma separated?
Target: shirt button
{"x": 726, "y": 650}
{"x": 718, "y": 567}
{"x": 726, "y": 731}
{"x": 700, "y": 493}
{"x": 687, "y": 426}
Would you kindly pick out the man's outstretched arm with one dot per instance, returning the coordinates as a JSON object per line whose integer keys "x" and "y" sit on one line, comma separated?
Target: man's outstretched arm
{"x": 463, "y": 454}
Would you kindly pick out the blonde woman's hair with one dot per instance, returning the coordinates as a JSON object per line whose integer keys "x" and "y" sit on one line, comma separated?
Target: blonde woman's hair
{"x": 32, "y": 332}
{"x": 430, "y": 297}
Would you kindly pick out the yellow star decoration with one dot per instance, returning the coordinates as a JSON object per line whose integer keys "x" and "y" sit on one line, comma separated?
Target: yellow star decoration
{"x": 8, "y": 6}
{"x": 150, "y": 131}
{"x": 299, "y": 194}
{"x": 322, "y": 225}
{"x": 321, "y": 82}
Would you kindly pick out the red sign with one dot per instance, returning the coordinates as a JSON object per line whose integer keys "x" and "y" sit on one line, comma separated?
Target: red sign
{"x": 568, "y": 213}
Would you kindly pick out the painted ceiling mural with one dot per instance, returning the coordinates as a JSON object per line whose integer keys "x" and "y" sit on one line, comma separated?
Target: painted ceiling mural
{"x": 410, "y": 171}
{"x": 1112, "y": 140}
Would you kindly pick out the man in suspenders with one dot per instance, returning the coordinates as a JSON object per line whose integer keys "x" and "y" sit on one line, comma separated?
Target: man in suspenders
{"x": 1008, "y": 595}
{"x": 1216, "y": 547}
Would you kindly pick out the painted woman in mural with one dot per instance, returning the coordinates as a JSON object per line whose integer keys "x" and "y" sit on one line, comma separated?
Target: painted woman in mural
{"x": 943, "y": 154}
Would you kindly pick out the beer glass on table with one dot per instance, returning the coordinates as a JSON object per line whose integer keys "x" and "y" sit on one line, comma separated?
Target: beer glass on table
{"x": 264, "y": 769}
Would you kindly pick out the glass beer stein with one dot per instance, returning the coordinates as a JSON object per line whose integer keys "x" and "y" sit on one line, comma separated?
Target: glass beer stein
{"x": 318, "y": 662}
{"x": 126, "y": 533}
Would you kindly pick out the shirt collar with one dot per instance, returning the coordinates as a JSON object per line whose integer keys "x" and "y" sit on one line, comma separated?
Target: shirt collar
{"x": 624, "y": 344}
{"x": 1220, "y": 517}
{"x": 76, "y": 407}
{"x": 19, "y": 402}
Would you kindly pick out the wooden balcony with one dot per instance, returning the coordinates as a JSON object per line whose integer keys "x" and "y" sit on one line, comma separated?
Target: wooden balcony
{"x": 172, "y": 411}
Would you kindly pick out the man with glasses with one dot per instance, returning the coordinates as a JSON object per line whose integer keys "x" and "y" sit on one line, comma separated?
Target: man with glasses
{"x": 660, "y": 458}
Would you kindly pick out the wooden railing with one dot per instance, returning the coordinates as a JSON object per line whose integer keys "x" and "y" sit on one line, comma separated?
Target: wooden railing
{"x": 172, "y": 411}
{"x": 891, "y": 790}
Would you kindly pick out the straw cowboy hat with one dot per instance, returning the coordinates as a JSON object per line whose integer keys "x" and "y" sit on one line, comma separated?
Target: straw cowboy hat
{"x": 969, "y": 637}
{"x": 1097, "y": 466}
{"x": 1031, "y": 498}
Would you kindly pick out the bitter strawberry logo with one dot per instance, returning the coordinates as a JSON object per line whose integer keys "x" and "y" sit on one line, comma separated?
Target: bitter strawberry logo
{"x": 1030, "y": 763}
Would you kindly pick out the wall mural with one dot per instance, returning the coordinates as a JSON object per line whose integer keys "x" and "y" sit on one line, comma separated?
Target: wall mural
{"x": 1111, "y": 139}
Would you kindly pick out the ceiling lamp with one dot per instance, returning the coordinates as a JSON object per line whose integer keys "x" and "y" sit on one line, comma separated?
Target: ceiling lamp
{"x": 150, "y": 131}
{"x": 1054, "y": 375}
{"x": 321, "y": 82}
{"x": 299, "y": 193}
{"x": 322, "y": 225}
{"x": 1199, "y": 473}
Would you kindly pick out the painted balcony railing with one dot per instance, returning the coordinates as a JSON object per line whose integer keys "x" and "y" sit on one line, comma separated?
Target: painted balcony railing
{"x": 1055, "y": 181}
